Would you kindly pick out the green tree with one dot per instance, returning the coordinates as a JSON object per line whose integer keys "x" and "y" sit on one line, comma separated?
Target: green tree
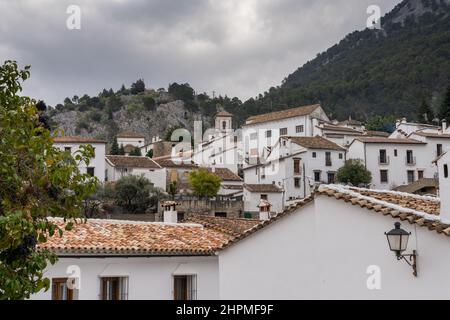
{"x": 354, "y": 172}
{"x": 136, "y": 152}
{"x": 444, "y": 109}
{"x": 381, "y": 123}
{"x": 149, "y": 153}
{"x": 149, "y": 103}
{"x": 169, "y": 132}
{"x": 36, "y": 180}
{"x": 425, "y": 113}
{"x": 115, "y": 147}
{"x": 134, "y": 193}
{"x": 121, "y": 150}
{"x": 204, "y": 183}
{"x": 172, "y": 189}
{"x": 182, "y": 92}
{"x": 137, "y": 87}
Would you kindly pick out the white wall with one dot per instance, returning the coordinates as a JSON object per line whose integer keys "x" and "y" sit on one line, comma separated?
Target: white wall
{"x": 98, "y": 162}
{"x": 397, "y": 168}
{"x": 156, "y": 176}
{"x": 252, "y": 199}
{"x": 149, "y": 278}
{"x": 137, "y": 142}
{"x": 324, "y": 252}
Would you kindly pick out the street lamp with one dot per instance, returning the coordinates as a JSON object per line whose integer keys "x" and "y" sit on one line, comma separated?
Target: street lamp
{"x": 398, "y": 242}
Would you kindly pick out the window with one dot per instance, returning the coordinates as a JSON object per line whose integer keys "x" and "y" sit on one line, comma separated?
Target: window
{"x": 383, "y": 157}
{"x": 263, "y": 196}
{"x": 419, "y": 174}
{"x": 395, "y": 152}
{"x": 114, "y": 288}
{"x": 283, "y": 131}
{"x": 299, "y": 129}
{"x": 411, "y": 176}
{"x": 60, "y": 289}
{"x": 409, "y": 157}
{"x": 314, "y": 155}
{"x": 185, "y": 287}
{"x": 296, "y": 166}
{"x": 340, "y": 155}
{"x": 268, "y": 133}
{"x": 180, "y": 216}
{"x": 317, "y": 176}
{"x": 220, "y": 214}
{"x": 331, "y": 177}
{"x": 68, "y": 149}
{"x": 328, "y": 159}
{"x": 383, "y": 176}
{"x": 445, "y": 171}
{"x": 297, "y": 182}
{"x": 90, "y": 171}
{"x": 224, "y": 125}
{"x": 438, "y": 150}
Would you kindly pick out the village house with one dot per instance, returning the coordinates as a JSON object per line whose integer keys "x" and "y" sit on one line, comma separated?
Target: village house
{"x": 392, "y": 161}
{"x": 178, "y": 170}
{"x": 96, "y": 165}
{"x": 120, "y": 166}
{"x": 261, "y": 132}
{"x": 313, "y": 241}
{"x": 294, "y": 167}
{"x": 222, "y": 147}
{"x": 231, "y": 185}
{"x": 130, "y": 141}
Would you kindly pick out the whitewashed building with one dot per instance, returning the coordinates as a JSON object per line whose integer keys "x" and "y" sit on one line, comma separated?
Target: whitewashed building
{"x": 120, "y": 166}
{"x": 130, "y": 140}
{"x": 221, "y": 146}
{"x": 96, "y": 165}
{"x": 392, "y": 161}
{"x": 291, "y": 171}
{"x": 261, "y": 132}
{"x": 329, "y": 246}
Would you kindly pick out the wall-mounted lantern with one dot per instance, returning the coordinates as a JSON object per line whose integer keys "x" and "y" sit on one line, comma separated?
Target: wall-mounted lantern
{"x": 398, "y": 242}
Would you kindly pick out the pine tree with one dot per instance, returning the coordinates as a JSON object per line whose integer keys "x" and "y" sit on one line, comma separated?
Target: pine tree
{"x": 444, "y": 110}
{"x": 425, "y": 114}
{"x": 115, "y": 147}
{"x": 136, "y": 152}
{"x": 121, "y": 150}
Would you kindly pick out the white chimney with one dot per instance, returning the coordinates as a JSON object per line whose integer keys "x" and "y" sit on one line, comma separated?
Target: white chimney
{"x": 264, "y": 210}
{"x": 170, "y": 214}
{"x": 443, "y": 164}
{"x": 397, "y": 123}
{"x": 444, "y": 125}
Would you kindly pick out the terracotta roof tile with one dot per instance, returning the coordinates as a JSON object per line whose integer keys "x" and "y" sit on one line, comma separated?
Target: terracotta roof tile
{"x": 420, "y": 210}
{"x": 418, "y": 185}
{"x": 316, "y": 142}
{"x": 388, "y": 140}
{"x": 75, "y": 139}
{"x": 270, "y": 188}
{"x": 373, "y": 133}
{"x": 132, "y": 162}
{"x": 284, "y": 114}
{"x": 167, "y": 162}
{"x": 225, "y": 174}
{"x": 432, "y": 134}
{"x": 130, "y": 134}
{"x": 223, "y": 114}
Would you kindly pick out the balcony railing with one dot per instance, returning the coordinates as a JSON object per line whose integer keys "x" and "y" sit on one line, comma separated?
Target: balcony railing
{"x": 383, "y": 160}
{"x": 328, "y": 163}
{"x": 410, "y": 161}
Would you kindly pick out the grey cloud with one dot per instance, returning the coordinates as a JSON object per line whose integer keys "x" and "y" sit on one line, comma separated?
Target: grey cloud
{"x": 238, "y": 47}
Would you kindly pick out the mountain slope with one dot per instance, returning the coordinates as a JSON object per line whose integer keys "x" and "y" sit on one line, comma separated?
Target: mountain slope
{"x": 373, "y": 71}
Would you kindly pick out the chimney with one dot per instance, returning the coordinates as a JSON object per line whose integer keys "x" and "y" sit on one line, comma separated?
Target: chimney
{"x": 264, "y": 210}
{"x": 403, "y": 120}
{"x": 443, "y": 164}
{"x": 170, "y": 214}
{"x": 444, "y": 125}
{"x": 397, "y": 123}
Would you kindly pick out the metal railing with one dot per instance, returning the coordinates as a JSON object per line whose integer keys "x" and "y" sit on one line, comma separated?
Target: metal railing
{"x": 383, "y": 160}
{"x": 410, "y": 161}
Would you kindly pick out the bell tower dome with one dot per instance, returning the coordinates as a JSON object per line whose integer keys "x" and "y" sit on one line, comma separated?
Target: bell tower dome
{"x": 223, "y": 121}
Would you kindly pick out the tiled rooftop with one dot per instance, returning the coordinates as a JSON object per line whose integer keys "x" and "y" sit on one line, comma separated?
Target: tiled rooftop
{"x": 132, "y": 162}
{"x": 76, "y": 139}
{"x": 420, "y": 210}
{"x": 284, "y": 114}
{"x": 316, "y": 142}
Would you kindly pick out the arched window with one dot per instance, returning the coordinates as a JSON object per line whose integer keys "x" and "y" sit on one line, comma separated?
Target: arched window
{"x": 224, "y": 125}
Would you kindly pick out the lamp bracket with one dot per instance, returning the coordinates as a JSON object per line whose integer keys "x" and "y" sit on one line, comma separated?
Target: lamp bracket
{"x": 412, "y": 257}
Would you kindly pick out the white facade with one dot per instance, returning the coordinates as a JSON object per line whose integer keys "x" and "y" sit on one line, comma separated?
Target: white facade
{"x": 136, "y": 141}
{"x": 149, "y": 278}
{"x": 295, "y": 169}
{"x": 399, "y": 171}
{"x": 157, "y": 176}
{"x": 252, "y": 199}
{"x": 257, "y": 137}
{"x": 96, "y": 164}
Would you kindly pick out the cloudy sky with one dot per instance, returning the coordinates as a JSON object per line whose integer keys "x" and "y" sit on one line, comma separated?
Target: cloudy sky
{"x": 234, "y": 47}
